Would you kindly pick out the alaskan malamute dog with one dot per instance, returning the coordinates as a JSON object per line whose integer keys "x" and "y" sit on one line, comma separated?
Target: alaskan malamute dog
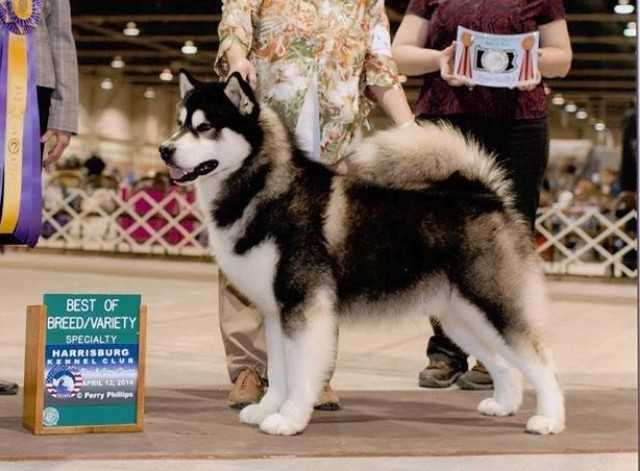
{"x": 421, "y": 222}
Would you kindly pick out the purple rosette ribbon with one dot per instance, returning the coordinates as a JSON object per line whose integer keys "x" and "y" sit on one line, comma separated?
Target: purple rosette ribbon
{"x": 20, "y": 16}
{"x": 18, "y": 20}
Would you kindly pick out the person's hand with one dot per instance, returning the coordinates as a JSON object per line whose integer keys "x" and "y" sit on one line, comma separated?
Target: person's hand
{"x": 531, "y": 84}
{"x": 59, "y": 142}
{"x": 447, "y": 57}
{"x": 245, "y": 68}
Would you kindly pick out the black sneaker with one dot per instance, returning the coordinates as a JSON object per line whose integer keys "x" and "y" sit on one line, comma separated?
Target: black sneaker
{"x": 8, "y": 389}
{"x": 439, "y": 373}
{"x": 476, "y": 379}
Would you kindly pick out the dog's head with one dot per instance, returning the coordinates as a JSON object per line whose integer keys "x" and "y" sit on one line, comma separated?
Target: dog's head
{"x": 215, "y": 133}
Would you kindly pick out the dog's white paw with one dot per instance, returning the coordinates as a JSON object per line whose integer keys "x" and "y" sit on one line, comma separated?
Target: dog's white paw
{"x": 541, "y": 425}
{"x": 493, "y": 408}
{"x": 278, "y": 424}
{"x": 254, "y": 414}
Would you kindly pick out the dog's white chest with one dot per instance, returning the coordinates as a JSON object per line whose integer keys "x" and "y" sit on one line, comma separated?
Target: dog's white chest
{"x": 253, "y": 273}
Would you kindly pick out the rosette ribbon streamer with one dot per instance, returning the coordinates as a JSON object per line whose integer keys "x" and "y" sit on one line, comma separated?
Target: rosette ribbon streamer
{"x": 20, "y": 159}
{"x": 464, "y": 67}
{"x": 526, "y": 69}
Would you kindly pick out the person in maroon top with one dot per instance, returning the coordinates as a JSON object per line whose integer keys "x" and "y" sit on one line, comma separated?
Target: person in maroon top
{"x": 509, "y": 122}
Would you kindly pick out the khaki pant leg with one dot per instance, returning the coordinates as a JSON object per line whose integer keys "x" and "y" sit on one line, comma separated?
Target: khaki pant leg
{"x": 242, "y": 329}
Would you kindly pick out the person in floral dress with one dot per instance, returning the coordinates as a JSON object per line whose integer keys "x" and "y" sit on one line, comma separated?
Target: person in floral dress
{"x": 321, "y": 65}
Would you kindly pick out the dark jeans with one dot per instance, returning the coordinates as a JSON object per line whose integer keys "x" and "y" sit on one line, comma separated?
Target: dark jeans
{"x": 522, "y": 148}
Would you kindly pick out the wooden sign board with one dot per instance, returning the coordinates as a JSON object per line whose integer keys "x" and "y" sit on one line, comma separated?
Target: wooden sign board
{"x": 85, "y": 364}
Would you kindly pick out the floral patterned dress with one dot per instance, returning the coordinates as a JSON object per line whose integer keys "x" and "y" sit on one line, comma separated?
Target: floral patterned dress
{"x": 314, "y": 60}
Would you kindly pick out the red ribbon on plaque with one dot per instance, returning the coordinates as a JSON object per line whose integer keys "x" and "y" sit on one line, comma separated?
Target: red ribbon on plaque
{"x": 464, "y": 68}
{"x": 526, "y": 68}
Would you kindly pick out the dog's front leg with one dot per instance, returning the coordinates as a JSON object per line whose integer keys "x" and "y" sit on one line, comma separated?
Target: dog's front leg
{"x": 310, "y": 349}
{"x": 277, "y": 392}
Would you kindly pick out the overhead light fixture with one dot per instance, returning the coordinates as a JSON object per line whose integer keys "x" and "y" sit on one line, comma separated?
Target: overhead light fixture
{"x": 582, "y": 114}
{"x": 131, "y": 29}
{"x": 570, "y": 107}
{"x": 558, "y": 100}
{"x": 599, "y": 126}
{"x": 117, "y": 62}
{"x": 631, "y": 30}
{"x": 166, "y": 75}
{"x": 149, "y": 93}
{"x": 106, "y": 84}
{"x": 624, "y": 7}
{"x": 189, "y": 48}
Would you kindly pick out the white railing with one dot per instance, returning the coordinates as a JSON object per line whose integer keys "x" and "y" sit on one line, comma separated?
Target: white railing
{"x": 147, "y": 221}
{"x": 584, "y": 241}
{"x": 570, "y": 241}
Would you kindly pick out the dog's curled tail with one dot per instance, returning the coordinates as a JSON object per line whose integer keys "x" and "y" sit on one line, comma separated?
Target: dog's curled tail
{"x": 415, "y": 157}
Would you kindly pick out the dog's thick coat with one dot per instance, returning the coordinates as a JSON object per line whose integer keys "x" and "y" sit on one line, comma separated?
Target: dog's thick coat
{"x": 421, "y": 223}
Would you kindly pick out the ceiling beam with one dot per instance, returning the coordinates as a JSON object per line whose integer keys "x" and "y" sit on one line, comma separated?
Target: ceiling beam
{"x": 151, "y": 18}
{"x": 152, "y": 69}
{"x": 594, "y": 84}
{"x": 600, "y": 17}
{"x": 209, "y": 56}
{"x": 630, "y": 72}
{"x": 168, "y": 38}
{"x": 604, "y": 56}
{"x": 145, "y": 42}
{"x": 617, "y": 40}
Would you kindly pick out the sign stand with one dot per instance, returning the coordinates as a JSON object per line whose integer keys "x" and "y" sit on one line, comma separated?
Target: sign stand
{"x": 34, "y": 379}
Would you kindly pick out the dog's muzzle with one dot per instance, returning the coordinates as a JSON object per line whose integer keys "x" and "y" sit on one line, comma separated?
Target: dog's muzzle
{"x": 180, "y": 175}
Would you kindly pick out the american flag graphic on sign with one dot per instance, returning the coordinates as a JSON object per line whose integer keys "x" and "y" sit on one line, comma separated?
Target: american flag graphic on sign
{"x": 63, "y": 382}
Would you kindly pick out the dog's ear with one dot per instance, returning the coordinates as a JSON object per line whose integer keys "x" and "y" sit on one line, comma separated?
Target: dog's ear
{"x": 187, "y": 82}
{"x": 240, "y": 94}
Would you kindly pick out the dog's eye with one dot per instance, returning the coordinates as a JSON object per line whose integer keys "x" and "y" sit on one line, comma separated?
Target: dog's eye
{"x": 203, "y": 127}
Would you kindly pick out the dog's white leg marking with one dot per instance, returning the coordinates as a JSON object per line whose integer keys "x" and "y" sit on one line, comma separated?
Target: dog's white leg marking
{"x": 466, "y": 325}
{"x": 310, "y": 354}
{"x": 535, "y": 360}
{"x": 276, "y": 393}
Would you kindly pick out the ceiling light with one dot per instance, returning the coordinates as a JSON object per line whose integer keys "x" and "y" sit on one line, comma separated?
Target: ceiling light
{"x": 624, "y": 7}
{"x": 631, "y": 30}
{"x": 582, "y": 114}
{"x": 189, "y": 48}
{"x": 117, "y": 62}
{"x": 166, "y": 75}
{"x": 570, "y": 107}
{"x": 558, "y": 100}
{"x": 131, "y": 29}
{"x": 600, "y": 126}
{"x": 106, "y": 84}
{"x": 149, "y": 93}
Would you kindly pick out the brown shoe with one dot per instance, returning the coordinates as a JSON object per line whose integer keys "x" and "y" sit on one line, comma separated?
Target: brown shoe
{"x": 248, "y": 388}
{"x": 476, "y": 379}
{"x": 440, "y": 373}
{"x": 328, "y": 400}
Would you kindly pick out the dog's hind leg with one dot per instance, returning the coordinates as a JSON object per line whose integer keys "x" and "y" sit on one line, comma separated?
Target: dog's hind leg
{"x": 276, "y": 370}
{"x": 528, "y": 352}
{"x": 310, "y": 350}
{"x": 479, "y": 341}
{"x": 520, "y": 344}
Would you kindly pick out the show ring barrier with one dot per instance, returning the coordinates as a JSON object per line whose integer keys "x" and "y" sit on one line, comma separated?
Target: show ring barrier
{"x": 573, "y": 241}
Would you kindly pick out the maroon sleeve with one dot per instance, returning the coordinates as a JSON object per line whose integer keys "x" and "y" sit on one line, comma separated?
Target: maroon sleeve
{"x": 422, "y": 8}
{"x": 550, "y": 10}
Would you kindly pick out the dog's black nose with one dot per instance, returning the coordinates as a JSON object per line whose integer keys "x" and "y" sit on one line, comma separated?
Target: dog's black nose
{"x": 166, "y": 152}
